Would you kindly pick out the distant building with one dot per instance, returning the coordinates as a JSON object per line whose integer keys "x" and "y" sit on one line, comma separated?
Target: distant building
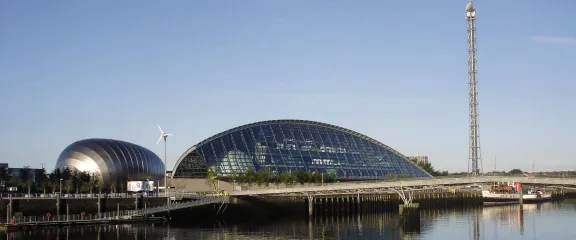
{"x": 290, "y": 145}
{"x": 419, "y": 159}
{"x": 33, "y": 172}
{"x": 113, "y": 160}
{"x": 15, "y": 173}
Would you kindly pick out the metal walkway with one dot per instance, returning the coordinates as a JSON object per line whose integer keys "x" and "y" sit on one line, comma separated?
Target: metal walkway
{"x": 181, "y": 205}
{"x": 355, "y": 187}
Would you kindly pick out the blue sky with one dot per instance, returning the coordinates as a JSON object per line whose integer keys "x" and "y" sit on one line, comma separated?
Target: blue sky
{"x": 393, "y": 70}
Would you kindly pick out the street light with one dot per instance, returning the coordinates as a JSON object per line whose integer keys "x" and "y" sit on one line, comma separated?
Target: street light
{"x": 148, "y": 187}
{"x": 61, "y": 186}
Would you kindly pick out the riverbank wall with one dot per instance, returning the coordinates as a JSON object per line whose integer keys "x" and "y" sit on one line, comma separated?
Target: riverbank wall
{"x": 43, "y": 206}
{"x": 257, "y": 208}
{"x": 250, "y": 209}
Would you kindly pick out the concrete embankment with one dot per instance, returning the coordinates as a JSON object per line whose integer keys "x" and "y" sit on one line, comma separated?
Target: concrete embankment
{"x": 246, "y": 209}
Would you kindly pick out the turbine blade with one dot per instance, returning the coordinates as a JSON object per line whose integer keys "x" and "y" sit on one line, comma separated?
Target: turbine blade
{"x": 168, "y": 134}
{"x": 160, "y": 129}
{"x": 159, "y": 139}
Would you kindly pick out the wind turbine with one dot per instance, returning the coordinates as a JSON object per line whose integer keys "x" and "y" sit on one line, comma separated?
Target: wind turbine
{"x": 164, "y": 135}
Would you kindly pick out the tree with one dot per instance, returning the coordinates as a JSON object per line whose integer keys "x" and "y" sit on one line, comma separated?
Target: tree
{"x": 85, "y": 180}
{"x": 331, "y": 177}
{"x": 123, "y": 182}
{"x": 75, "y": 181}
{"x": 294, "y": 177}
{"x": 96, "y": 182}
{"x": 212, "y": 177}
{"x": 307, "y": 177}
{"x": 516, "y": 171}
{"x": 55, "y": 179}
{"x": 233, "y": 176}
{"x": 285, "y": 178}
{"x": 42, "y": 179}
{"x": 68, "y": 185}
{"x": 249, "y": 176}
{"x": 263, "y": 177}
{"x": 66, "y": 173}
{"x": 302, "y": 177}
{"x": 275, "y": 178}
{"x": 112, "y": 186}
{"x": 427, "y": 166}
{"x": 4, "y": 177}
{"x": 26, "y": 178}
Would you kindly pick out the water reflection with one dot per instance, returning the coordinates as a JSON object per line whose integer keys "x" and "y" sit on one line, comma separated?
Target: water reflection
{"x": 497, "y": 222}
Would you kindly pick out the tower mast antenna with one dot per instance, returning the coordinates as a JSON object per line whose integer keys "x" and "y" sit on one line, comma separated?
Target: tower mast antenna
{"x": 474, "y": 141}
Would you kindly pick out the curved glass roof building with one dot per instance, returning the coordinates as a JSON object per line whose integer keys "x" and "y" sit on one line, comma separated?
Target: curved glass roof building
{"x": 112, "y": 159}
{"x": 295, "y": 145}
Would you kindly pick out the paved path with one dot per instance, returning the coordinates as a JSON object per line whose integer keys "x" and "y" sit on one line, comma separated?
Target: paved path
{"x": 387, "y": 185}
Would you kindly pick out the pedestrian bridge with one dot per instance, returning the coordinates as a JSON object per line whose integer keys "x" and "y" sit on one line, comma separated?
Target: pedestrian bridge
{"x": 174, "y": 206}
{"x": 387, "y": 186}
{"x": 182, "y": 205}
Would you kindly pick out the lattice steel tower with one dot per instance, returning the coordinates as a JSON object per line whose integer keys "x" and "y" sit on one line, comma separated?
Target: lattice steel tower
{"x": 474, "y": 154}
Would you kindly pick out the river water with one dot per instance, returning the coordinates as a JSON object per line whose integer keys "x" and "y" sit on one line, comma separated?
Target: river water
{"x": 536, "y": 221}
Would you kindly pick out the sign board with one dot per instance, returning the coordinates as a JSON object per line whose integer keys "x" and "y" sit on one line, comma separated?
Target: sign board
{"x": 140, "y": 186}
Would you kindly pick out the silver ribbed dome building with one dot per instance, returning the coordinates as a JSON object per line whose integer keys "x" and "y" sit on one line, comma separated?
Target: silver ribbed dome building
{"x": 112, "y": 159}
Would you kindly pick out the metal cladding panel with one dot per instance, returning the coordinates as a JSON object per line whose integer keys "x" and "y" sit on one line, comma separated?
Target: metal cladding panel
{"x": 295, "y": 145}
{"x": 112, "y": 159}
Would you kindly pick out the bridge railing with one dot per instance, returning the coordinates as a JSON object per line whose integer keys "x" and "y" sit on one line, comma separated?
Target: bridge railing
{"x": 68, "y": 217}
{"x": 413, "y": 183}
{"x": 181, "y": 205}
{"x": 358, "y": 182}
{"x": 79, "y": 195}
{"x": 114, "y": 214}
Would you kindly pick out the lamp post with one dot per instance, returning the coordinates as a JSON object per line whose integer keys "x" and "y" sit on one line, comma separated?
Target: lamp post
{"x": 58, "y": 199}
{"x": 148, "y": 186}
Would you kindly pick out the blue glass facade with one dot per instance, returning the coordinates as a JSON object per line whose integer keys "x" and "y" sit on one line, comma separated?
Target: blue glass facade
{"x": 295, "y": 145}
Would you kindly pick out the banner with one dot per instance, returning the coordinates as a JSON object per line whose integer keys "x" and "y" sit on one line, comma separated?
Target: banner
{"x": 140, "y": 186}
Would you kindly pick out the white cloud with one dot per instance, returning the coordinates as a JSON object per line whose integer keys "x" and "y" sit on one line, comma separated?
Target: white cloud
{"x": 554, "y": 39}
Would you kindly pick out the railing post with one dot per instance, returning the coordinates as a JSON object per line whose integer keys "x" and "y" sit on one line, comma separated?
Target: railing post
{"x": 98, "y": 205}
{"x": 10, "y": 207}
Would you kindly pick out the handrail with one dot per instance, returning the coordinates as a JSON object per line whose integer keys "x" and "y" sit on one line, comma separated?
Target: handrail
{"x": 79, "y": 195}
{"x": 116, "y": 214}
{"x": 181, "y": 205}
{"x": 409, "y": 183}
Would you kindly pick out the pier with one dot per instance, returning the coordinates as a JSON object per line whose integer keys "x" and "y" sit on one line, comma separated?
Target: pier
{"x": 14, "y": 223}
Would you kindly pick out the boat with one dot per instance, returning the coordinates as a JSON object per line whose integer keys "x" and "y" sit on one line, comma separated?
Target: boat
{"x": 509, "y": 194}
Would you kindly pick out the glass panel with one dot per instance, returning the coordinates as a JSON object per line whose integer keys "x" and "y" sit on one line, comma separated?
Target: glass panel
{"x": 295, "y": 146}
